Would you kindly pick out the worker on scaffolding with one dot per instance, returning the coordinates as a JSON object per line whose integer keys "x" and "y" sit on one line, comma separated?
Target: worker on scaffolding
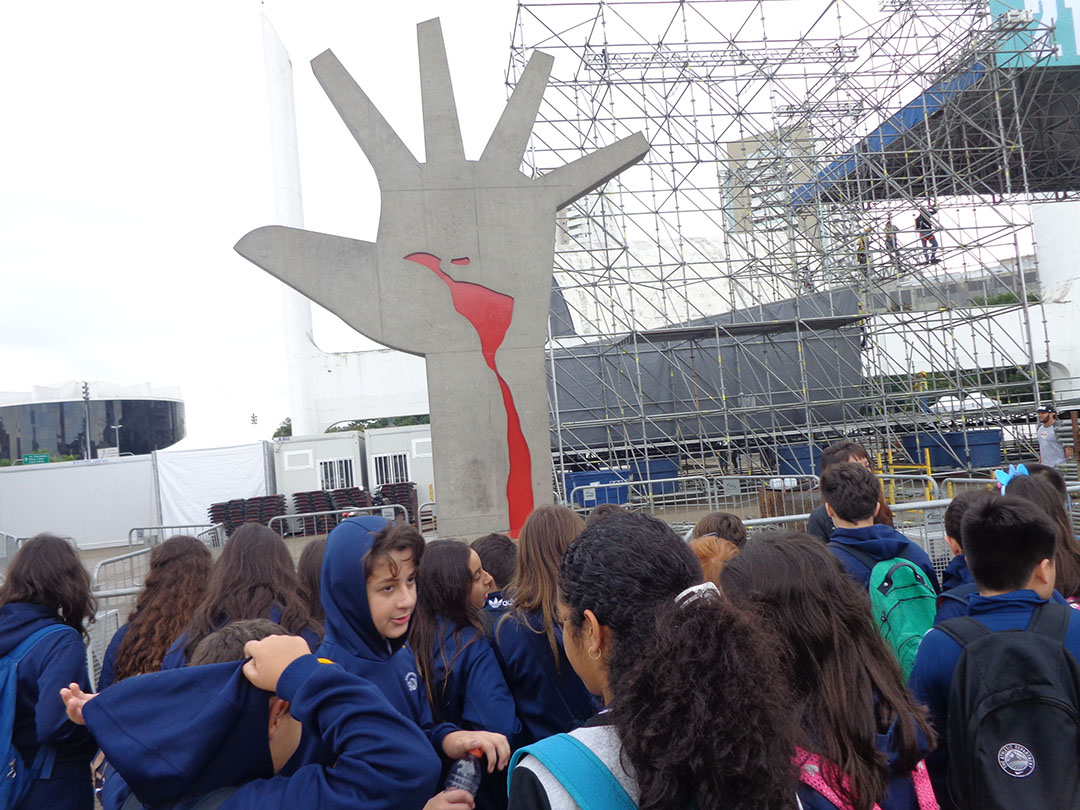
{"x": 924, "y": 224}
{"x": 862, "y": 251}
{"x": 891, "y": 246}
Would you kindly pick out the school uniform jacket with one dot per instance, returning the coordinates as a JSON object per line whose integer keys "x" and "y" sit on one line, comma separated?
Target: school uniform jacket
{"x": 550, "y": 697}
{"x": 881, "y": 542}
{"x": 351, "y": 639}
{"x": 178, "y": 735}
{"x": 40, "y": 718}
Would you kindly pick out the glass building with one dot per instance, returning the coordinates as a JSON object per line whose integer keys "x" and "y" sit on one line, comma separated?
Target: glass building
{"x": 53, "y": 424}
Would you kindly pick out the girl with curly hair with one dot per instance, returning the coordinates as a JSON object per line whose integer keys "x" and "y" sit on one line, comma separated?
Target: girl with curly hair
{"x": 254, "y": 578}
{"x": 463, "y": 681}
{"x": 47, "y": 591}
{"x": 696, "y": 705}
{"x": 860, "y": 728}
{"x": 528, "y": 641}
{"x": 174, "y": 587}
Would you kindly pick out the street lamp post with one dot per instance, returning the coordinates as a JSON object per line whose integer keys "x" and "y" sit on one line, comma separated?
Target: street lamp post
{"x": 117, "y": 429}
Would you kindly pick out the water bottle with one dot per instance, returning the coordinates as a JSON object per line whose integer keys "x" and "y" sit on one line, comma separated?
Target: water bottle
{"x": 465, "y": 774}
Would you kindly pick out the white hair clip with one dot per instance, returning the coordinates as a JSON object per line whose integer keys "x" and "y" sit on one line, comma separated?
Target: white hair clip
{"x": 706, "y": 590}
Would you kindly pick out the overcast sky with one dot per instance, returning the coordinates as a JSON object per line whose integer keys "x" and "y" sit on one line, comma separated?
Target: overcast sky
{"x": 136, "y": 152}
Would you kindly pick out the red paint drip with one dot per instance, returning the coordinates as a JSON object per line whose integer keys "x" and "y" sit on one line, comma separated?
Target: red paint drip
{"x": 490, "y": 313}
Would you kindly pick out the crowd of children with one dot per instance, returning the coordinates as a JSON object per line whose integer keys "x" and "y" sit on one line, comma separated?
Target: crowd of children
{"x": 599, "y": 663}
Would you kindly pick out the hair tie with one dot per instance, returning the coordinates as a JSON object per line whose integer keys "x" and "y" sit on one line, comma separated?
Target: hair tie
{"x": 1003, "y": 478}
{"x": 706, "y": 590}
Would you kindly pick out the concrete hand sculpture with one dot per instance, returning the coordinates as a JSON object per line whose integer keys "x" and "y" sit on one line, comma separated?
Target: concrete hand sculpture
{"x": 460, "y": 273}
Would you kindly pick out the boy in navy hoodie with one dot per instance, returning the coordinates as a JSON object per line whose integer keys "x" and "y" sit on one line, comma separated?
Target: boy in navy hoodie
{"x": 498, "y": 556}
{"x": 957, "y": 584}
{"x": 180, "y": 736}
{"x": 1010, "y": 548}
{"x": 369, "y": 592}
{"x": 852, "y": 495}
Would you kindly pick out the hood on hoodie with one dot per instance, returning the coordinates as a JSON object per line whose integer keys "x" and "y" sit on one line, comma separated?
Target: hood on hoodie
{"x": 880, "y": 540}
{"x": 183, "y": 733}
{"x": 19, "y": 619}
{"x": 348, "y": 624}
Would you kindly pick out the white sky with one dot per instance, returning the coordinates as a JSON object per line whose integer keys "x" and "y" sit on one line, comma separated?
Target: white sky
{"x": 136, "y": 152}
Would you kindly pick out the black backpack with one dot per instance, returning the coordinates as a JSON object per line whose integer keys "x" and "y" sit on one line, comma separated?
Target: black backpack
{"x": 1014, "y": 727}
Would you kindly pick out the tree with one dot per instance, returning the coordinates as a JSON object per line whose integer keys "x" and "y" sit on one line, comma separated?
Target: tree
{"x": 284, "y": 429}
{"x": 382, "y": 422}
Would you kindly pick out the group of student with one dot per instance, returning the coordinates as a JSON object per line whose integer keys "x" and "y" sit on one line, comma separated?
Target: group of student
{"x": 598, "y": 664}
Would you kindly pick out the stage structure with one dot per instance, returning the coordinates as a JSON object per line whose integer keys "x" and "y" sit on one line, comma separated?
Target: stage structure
{"x": 831, "y": 235}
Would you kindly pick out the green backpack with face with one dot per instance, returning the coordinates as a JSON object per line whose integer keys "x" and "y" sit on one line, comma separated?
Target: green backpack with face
{"x": 903, "y": 603}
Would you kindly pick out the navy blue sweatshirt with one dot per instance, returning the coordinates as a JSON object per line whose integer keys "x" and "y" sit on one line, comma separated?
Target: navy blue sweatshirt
{"x": 550, "y": 697}
{"x": 474, "y": 695}
{"x": 956, "y": 574}
{"x": 931, "y": 677}
{"x": 40, "y": 718}
{"x": 881, "y": 542}
{"x": 177, "y": 735}
{"x": 351, "y": 639}
{"x": 108, "y": 663}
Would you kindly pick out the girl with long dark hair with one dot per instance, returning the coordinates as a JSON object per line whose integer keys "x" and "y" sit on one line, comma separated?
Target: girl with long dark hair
{"x": 1041, "y": 492}
{"x": 550, "y": 697}
{"x": 696, "y": 705}
{"x": 254, "y": 578}
{"x": 859, "y": 726}
{"x": 464, "y": 683}
{"x": 47, "y": 589}
{"x": 174, "y": 587}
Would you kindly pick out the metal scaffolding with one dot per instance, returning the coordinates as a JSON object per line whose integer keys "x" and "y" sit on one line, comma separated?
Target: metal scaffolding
{"x": 830, "y": 237}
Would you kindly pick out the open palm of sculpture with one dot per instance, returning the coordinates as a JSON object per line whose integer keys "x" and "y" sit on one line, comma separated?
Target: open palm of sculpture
{"x": 460, "y": 271}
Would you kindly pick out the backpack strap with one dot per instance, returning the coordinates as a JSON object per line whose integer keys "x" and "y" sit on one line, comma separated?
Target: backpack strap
{"x": 590, "y": 782}
{"x": 857, "y": 553}
{"x": 964, "y": 629}
{"x": 1051, "y": 620}
{"x": 31, "y": 640}
{"x": 958, "y": 594}
{"x": 811, "y": 773}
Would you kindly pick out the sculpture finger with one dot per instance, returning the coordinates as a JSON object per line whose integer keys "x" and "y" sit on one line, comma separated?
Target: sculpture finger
{"x": 575, "y": 180}
{"x": 336, "y": 272}
{"x": 508, "y": 141}
{"x": 389, "y": 156}
{"x": 442, "y": 132}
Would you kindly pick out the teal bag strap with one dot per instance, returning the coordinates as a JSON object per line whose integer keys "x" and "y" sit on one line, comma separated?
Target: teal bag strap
{"x": 590, "y": 782}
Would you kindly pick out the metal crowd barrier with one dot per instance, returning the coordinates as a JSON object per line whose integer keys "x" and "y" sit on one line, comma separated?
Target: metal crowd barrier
{"x": 212, "y": 534}
{"x": 426, "y": 518}
{"x": 692, "y": 490}
{"x": 106, "y": 623}
{"x": 122, "y": 571}
{"x": 315, "y": 523}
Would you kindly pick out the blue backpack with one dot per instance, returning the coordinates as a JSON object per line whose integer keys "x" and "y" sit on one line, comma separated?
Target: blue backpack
{"x": 590, "y": 782}
{"x": 16, "y": 777}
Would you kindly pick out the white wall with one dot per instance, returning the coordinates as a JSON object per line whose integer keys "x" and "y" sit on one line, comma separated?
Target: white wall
{"x": 1059, "y": 272}
{"x": 95, "y": 502}
{"x": 296, "y": 460}
{"x": 414, "y": 441}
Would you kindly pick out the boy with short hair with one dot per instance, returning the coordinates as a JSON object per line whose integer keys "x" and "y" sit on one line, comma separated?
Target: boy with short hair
{"x": 852, "y": 494}
{"x": 498, "y": 556}
{"x": 1009, "y": 547}
{"x": 818, "y": 524}
{"x": 957, "y": 584}
{"x": 215, "y": 735}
